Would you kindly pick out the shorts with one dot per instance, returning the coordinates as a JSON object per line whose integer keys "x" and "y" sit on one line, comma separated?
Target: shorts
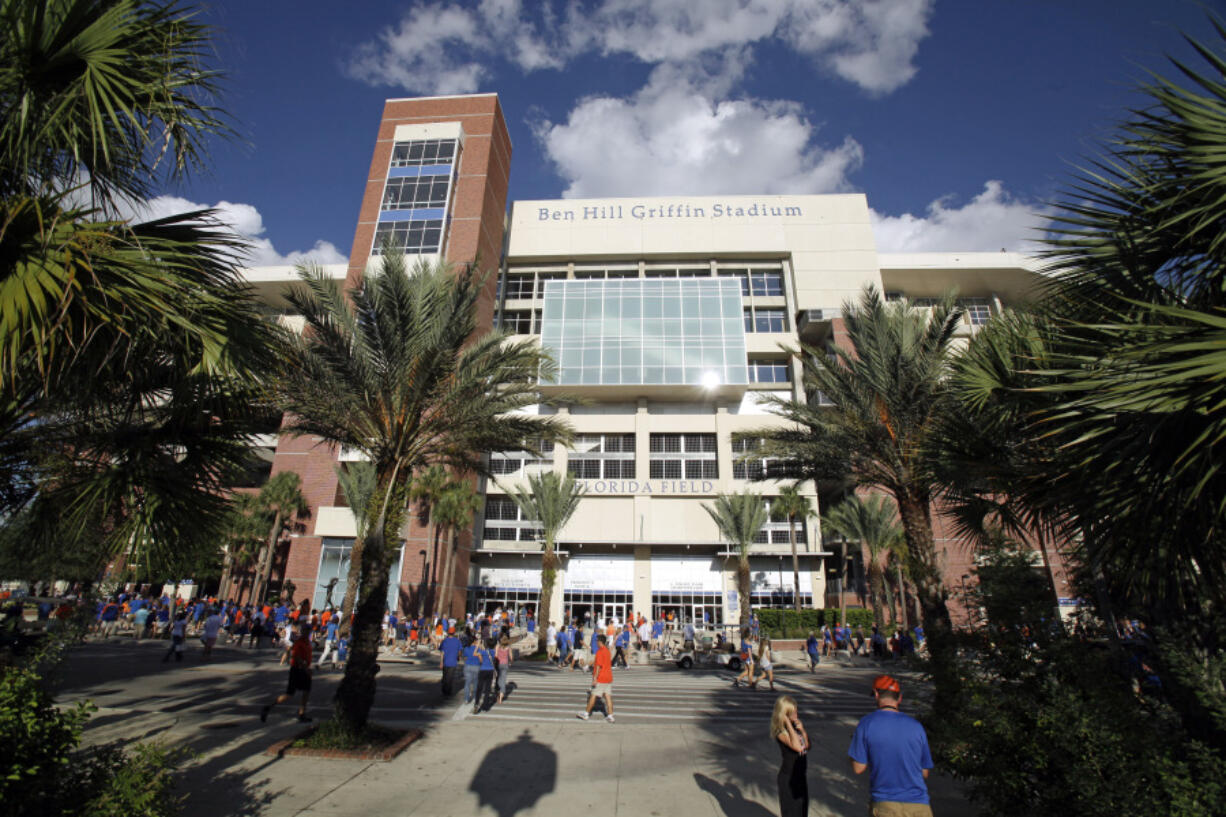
{"x": 602, "y": 689}
{"x": 889, "y": 808}
{"x": 299, "y": 680}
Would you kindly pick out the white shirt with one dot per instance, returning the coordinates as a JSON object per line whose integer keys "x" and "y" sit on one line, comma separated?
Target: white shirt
{"x": 644, "y": 632}
{"x": 552, "y": 634}
{"x": 211, "y": 625}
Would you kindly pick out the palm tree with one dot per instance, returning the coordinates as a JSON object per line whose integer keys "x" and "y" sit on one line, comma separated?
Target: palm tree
{"x": 872, "y": 523}
{"x": 394, "y": 369}
{"x": 791, "y": 505}
{"x": 549, "y": 500}
{"x": 455, "y": 510}
{"x": 246, "y": 528}
{"x": 427, "y": 487}
{"x": 357, "y": 480}
{"x": 884, "y": 393}
{"x": 283, "y": 501}
{"x": 740, "y": 517}
{"x": 132, "y": 353}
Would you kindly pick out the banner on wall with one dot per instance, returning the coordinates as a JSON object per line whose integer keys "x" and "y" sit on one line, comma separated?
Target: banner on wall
{"x": 681, "y": 574}
{"x": 509, "y": 572}
{"x": 766, "y": 575}
{"x": 615, "y": 573}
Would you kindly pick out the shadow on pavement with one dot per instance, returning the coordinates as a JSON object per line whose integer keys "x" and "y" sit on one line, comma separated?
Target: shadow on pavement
{"x": 730, "y": 799}
{"x": 497, "y": 784}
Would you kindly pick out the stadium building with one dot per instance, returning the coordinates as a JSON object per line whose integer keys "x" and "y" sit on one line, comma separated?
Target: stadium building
{"x": 669, "y": 318}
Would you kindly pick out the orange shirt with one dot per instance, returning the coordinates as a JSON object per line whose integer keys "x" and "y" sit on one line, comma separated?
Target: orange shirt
{"x": 604, "y": 665}
{"x": 325, "y": 618}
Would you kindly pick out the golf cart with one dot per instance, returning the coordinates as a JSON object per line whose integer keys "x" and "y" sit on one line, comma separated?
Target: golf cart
{"x": 703, "y": 652}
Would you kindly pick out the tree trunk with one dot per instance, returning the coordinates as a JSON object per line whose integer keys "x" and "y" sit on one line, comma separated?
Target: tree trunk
{"x": 742, "y": 589}
{"x": 902, "y": 596}
{"x": 445, "y": 581}
{"x": 795, "y": 564}
{"x": 549, "y": 575}
{"x": 353, "y": 580}
{"x": 843, "y": 586}
{"x": 913, "y": 509}
{"x": 227, "y": 563}
{"x": 423, "y": 601}
{"x": 877, "y": 585}
{"x": 265, "y": 569}
{"x": 356, "y": 693}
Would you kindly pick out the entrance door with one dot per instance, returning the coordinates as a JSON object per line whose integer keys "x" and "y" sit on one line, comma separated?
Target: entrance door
{"x": 617, "y": 612}
{"x": 705, "y": 616}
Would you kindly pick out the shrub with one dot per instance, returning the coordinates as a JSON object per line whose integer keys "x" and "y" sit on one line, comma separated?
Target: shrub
{"x": 45, "y": 773}
{"x": 779, "y": 623}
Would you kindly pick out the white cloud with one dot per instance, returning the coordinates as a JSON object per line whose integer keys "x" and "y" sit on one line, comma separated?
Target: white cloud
{"x": 243, "y": 219}
{"x": 673, "y": 137}
{"x": 438, "y": 48}
{"x": 993, "y": 220}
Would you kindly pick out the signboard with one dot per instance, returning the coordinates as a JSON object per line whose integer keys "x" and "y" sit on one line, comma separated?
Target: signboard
{"x": 679, "y": 574}
{"x": 766, "y": 575}
{"x": 633, "y": 487}
{"x": 614, "y": 573}
{"x": 518, "y": 578}
{"x": 731, "y": 602}
{"x": 655, "y": 210}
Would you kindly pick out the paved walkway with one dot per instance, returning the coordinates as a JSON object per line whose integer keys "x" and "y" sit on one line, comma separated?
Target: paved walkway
{"x": 685, "y": 743}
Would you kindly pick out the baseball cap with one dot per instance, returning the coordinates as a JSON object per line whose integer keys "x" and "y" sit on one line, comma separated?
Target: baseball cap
{"x": 884, "y": 683}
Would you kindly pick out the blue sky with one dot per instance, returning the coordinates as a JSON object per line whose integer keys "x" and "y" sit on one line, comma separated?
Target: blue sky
{"x": 957, "y": 118}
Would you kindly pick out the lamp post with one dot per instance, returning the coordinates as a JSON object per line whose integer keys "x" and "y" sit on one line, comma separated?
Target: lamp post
{"x": 421, "y": 591}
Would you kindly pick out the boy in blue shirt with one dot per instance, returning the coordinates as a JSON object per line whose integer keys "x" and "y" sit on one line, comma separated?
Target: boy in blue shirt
{"x": 893, "y": 749}
{"x": 450, "y": 662}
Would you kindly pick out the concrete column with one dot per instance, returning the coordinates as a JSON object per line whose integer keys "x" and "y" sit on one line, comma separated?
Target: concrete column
{"x": 560, "y": 454}
{"x": 642, "y": 441}
{"x": 642, "y": 580}
{"x": 723, "y": 447}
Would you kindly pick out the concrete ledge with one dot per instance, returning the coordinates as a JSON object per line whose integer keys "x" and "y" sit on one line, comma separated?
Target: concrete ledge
{"x": 282, "y": 748}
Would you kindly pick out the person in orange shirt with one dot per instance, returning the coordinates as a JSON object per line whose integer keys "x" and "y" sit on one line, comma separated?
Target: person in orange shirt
{"x": 325, "y": 617}
{"x": 602, "y": 681}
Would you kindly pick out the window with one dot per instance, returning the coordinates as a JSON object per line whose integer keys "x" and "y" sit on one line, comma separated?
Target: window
{"x": 416, "y": 191}
{"x": 777, "y": 528}
{"x": 504, "y": 521}
{"x": 425, "y": 152}
{"x": 602, "y": 456}
{"x": 769, "y": 371}
{"x": 977, "y": 310}
{"x": 411, "y": 237}
{"x": 512, "y": 462}
{"x": 545, "y": 277}
{"x": 757, "y": 468}
{"x": 765, "y": 319}
{"x": 517, "y": 321}
{"x": 766, "y": 282}
{"x": 519, "y": 286}
{"x": 740, "y": 274}
{"x": 683, "y": 456}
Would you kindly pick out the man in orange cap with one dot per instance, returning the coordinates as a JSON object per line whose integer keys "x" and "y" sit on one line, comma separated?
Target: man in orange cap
{"x": 893, "y": 748}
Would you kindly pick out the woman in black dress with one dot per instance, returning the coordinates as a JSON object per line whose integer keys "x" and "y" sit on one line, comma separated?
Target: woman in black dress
{"x": 787, "y": 729}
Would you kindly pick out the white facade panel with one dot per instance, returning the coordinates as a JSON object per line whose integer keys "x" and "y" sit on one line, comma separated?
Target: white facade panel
{"x": 686, "y": 574}
{"x": 613, "y": 573}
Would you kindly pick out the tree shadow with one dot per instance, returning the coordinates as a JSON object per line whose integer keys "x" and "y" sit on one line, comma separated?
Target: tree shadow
{"x": 499, "y": 785}
{"x": 730, "y": 799}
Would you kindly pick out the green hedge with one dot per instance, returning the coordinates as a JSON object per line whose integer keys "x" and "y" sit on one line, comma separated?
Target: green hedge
{"x": 791, "y": 624}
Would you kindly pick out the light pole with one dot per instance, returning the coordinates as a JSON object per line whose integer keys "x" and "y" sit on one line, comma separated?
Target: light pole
{"x": 421, "y": 591}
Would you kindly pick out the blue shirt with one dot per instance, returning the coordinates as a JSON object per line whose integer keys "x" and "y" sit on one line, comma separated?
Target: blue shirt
{"x": 895, "y": 748}
{"x": 470, "y": 656}
{"x": 657, "y": 629}
{"x": 622, "y": 640}
{"x": 450, "y": 649}
{"x": 332, "y": 629}
{"x": 595, "y": 635}
{"x": 342, "y": 649}
{"x": 811, "y": 644}
{"x": 487, "y": 659}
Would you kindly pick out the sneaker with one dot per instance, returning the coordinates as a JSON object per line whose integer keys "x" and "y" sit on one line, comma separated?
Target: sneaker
{"x": 609, "y": 717}
{"x": 582, "y": 716}
{"x": 264, "y": 714}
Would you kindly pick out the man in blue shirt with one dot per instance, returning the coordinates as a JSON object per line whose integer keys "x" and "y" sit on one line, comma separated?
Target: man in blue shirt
{"x": 893, "y": 748}
{"x": 812, "y": 649}
{"x": 450, "y": 662}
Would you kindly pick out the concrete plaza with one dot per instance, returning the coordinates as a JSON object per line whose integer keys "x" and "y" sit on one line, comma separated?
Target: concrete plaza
{"x": 685, "y": 743}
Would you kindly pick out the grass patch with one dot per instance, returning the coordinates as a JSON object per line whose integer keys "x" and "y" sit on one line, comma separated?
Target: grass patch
{"x": 332, "y": 735}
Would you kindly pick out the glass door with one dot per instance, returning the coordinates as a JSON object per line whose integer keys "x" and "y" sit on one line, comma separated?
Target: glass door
{"x": 616, "y": 612}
